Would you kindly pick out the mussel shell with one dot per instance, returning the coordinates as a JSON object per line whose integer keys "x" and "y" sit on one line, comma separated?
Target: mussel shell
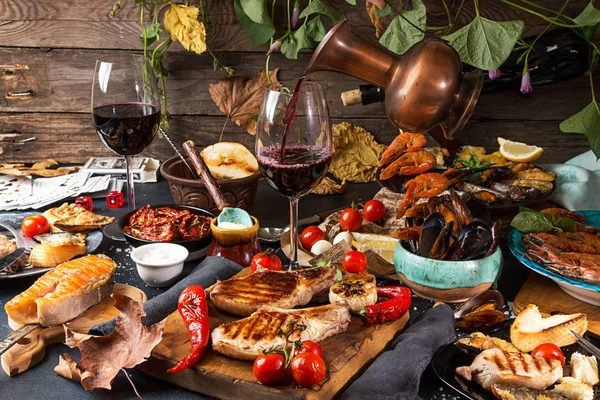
{"x": 496, "y": 228}
{"x": 462, "y": 212}
{"x": 442, "y": 243}
{"x": 413, "y": 245}
{"x": 432, "y": 226}
{"x": 483, "y": 193}
{"x": 517, "y": 193}
{"x": 480, "y": 211}
{"x": 481, "y": 320}
{"x": 489, "y": 297}
{"x": 472, "y": 242}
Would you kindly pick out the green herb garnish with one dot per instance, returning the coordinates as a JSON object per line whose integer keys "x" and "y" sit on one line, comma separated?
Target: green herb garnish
{"x": 474, "y": 164}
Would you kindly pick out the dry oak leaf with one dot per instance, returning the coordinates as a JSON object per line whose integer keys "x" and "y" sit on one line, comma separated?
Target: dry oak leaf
{"x": 102, "y": 357}
{"x": 239, "y": 98}
{"x": 182, "y": 23}
{"x": 375, "y": 19}
{"x": 329, "y": 186}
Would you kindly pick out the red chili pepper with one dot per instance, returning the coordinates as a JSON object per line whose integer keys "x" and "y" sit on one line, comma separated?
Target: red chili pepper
{"x": 389, "y": 310}
{"x": 193, "y": 309}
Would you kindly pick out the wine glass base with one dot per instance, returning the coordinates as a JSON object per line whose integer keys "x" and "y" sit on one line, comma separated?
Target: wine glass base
{"x": 293, "y": 267}
{"x": 113, "y": 232}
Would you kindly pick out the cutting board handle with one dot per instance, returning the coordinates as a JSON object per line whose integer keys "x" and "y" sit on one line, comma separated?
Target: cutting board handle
{"x": 31, "y": 349}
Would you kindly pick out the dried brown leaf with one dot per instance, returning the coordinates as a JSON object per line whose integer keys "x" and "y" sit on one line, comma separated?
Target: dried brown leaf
{"x": 102, "y": 357}
{"x": 375, "y": 19}
{"x": 329, "y": 186}
{"x": 239, "y": 98}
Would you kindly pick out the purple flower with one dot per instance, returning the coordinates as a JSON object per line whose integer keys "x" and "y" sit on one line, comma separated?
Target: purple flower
{"x": 295, "y": 15}
{"x": 274, "y": 47}
{"x": 493, "y": 74}
{"x": 526, "y": 84}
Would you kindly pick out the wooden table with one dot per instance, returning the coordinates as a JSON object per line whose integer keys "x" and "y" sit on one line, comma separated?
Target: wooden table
{"x": 272, "y": 210}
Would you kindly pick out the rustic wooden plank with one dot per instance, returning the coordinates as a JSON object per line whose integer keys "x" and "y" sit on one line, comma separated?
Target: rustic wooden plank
{"x": 61, "y": 80}
{"x": 71, "y": 137}
{"x": 86, "y": 24}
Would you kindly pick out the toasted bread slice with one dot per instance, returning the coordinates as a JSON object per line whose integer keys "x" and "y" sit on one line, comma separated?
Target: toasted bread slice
{"x": 530, "y": 329}
{"x": 229, "y": 160}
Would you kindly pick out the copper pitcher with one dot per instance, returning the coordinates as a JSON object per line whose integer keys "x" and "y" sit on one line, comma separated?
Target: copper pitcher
{"x": 425, "y": 87}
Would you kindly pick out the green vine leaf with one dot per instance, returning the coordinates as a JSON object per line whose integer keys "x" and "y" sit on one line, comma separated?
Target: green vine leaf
{"x": 400, "y": 35}
{"x": 586, "y": 122}
{"x": 589, "y": 16}
{"x": 150, "y": 34}
{"x": 486, "y": 44}
{"x": 257, "y": 32}
{"x": 299, "y": 39}
{"x": 315, "y": 29}
{"x": 353, "y": 2}
{"x": 385, "y": 12}
{"x": 318, "y": 7}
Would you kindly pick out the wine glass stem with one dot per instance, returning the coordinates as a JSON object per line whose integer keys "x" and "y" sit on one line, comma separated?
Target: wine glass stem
{"x": 130, "y": 189}
{"x": 294, "y": 233}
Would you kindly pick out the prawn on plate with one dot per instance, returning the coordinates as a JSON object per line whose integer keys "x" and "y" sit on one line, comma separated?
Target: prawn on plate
{"x": 423, "y": 186}
{"x": 404, "y": 142}
{"x": 416, "y": 162}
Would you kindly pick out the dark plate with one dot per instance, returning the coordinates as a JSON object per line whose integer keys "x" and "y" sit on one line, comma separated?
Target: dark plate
{"x": 92, "y": 242}
{"x": 450, "y": 357}
{"x": 193, "y": 246}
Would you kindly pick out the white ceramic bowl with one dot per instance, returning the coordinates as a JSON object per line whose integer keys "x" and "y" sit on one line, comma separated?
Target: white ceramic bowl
{"x": 159, "y": 264}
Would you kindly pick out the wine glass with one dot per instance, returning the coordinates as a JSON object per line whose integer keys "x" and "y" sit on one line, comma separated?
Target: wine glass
{"x": 125, "y": 113}
{"x": 294, "y": 146}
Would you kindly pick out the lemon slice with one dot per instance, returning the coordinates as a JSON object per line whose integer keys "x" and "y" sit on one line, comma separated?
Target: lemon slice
{"x": 519, "y": 152}
{"x": 380, "y": 244}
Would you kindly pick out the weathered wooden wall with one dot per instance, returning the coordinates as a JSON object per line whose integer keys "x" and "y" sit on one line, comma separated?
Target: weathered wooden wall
{"x": 50, "y": 48}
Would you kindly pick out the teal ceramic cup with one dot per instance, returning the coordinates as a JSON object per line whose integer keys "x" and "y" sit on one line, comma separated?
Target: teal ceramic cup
{"x": 446, "y": 281}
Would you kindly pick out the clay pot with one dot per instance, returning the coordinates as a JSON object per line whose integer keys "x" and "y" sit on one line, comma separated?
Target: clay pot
{"x": 188, "y": 191}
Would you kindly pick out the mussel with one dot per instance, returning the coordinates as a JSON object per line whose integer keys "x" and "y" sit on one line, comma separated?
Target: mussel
{"x": 496, "y": 227}
{"x": 462, "y": 212}
{"x": 488, "y": 175}
{"x": 480, "y": 312}
{"x": 480, "y": 211}
{"x": 517, "y": 193}
{"x": 483, "y": 193}
{"x": 473, "y": 242}
{"x": 432, "y": 227}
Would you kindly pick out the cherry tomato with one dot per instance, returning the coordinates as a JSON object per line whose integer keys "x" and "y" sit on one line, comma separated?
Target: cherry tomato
{"x": 350, "y": 220}
{"x": 269, "y": 369}
{"x": 311, "y": 235}
{"x": 354, "y": 261}
{"x": 308, "y": 369}
{"x": 374, "y": 210}
{"x": 308, "y": 346}
{"x": 35, "y": 225}
{"x": 265, "y": 260}
{"x": 549, "y": 350}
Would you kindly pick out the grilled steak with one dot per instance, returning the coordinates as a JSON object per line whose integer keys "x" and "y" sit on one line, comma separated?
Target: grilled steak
{"x": 497, "y": 366}
{"x": 246, "y": 338}
{"x": 245, "y": 295}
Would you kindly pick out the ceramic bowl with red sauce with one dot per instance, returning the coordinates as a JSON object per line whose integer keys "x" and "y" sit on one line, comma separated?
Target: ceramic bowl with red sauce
{"x": 196, "y": 246}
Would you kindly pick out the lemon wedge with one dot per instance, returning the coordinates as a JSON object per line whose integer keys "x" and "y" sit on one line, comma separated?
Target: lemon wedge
{"x": 382, "y": 245}
{"x": 519, "y": 152}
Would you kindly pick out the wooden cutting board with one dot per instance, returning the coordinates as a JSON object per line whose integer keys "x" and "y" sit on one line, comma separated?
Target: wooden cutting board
{"x": 31, "y": 349}
{"x": 346, "y": 356}
{"x": 549, "y": 298}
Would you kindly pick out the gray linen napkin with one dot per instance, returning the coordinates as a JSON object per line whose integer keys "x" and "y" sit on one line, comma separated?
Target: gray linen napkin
{"x": 396, "y": 373}
{"x": 158, "y": 308}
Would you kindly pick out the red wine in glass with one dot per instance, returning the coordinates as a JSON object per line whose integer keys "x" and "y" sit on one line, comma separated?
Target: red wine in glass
{"x": 300, "y": 170}
{"x": 290, "y": 113}
{"x": 126, "y": 128}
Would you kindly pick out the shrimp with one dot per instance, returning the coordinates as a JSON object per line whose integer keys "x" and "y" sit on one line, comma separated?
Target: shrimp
{"x": 423, "y": 186}
{"x": 570, "y": 264}
{"x": 561, "y": 212}
{"x": 412, "y": 163}
{"x": 408, "y": 233}
{"x": 401, "y": 143}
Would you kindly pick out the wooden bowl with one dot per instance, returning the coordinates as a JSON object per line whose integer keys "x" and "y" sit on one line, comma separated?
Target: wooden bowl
{"x": 192, "y": 192}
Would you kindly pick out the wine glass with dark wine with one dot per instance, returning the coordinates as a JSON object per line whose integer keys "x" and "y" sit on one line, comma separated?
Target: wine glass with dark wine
{"x": 294, "y": 146}
{"x": 125, "y": 112}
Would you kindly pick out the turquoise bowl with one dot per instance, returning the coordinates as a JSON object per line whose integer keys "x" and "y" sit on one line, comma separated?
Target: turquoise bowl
{"x": 446, "y": 281}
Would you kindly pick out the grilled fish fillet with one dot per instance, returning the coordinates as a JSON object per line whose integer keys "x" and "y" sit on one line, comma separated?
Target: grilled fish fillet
{"x": 513, "y": 392}
{"x": 357, "y": 291}
{"x": 573, "y": 389}
{"x": 246, "y": 338}
{"x": 245, "y": 295}
{"x": 498, "y": 366}
{"x": 530, "y": 330}
{"x": 63, "y": 293}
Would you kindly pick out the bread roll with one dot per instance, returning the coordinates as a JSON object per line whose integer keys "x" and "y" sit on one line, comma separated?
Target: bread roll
{"x": 229, "y": 160}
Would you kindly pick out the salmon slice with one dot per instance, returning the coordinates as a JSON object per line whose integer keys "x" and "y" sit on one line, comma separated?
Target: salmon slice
{"x": 63, "y": 293}
{"x": 43, "y": 255}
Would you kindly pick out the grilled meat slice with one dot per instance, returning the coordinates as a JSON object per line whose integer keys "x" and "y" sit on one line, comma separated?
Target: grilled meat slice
{"x": 247, "y": 338}
{"x": 497, "y": 366}
{"x": 245, "y": 295}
